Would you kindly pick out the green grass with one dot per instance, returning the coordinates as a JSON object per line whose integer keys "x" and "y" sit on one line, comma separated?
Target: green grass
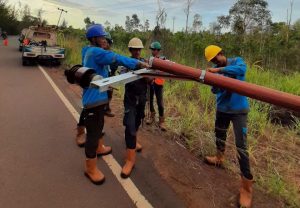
{"x": 190, "y": 108}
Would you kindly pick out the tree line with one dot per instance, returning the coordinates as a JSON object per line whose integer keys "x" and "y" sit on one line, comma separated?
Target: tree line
{"x": 247, "y": 30}
{"x": 13, "y": 19}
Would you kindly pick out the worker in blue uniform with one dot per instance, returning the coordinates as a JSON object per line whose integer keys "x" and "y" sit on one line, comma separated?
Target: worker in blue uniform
{"x": 94, "y": 101}
{"x": 231, "y": 107}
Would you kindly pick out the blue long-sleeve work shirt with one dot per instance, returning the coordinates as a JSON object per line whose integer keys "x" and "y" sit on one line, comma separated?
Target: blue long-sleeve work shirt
{"x": 98, "y": 59}
{"x": 228, "y": 102}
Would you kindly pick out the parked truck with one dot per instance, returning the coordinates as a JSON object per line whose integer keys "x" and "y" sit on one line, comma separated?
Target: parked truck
{"x": 42, "y": 43}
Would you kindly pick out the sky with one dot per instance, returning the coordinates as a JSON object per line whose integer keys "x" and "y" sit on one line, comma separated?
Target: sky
{"x": 115, "y": 11}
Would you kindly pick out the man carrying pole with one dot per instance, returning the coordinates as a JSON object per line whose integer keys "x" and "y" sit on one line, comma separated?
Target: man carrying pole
{"x": 231, "y": 107}
{"x": 94, "y": 101}
{"x": 134, "y": 104}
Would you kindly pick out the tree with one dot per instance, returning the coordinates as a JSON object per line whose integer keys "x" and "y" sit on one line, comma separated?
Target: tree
{"x": 132, "y": 23}
{"x": 289, "y": 20}
{"x": 107, "y": 25}
{"x": 8, "y": 20}
{"x": 248, "y": 14}
{"x": 39, "y": 15}
{"x": 161, "y": 16}
{"x": 197, "y": 23}
{"x": 215, "y": 28}
{"x": 187, "y": 11}
{"x": 27, "y": 19}
{"x": 88, "y": 22}
{"x": 147, "y": 25}
{"x": 224, "y": 21}
{"x": 135, "y": 21}
{"x": 44, "y": 22}
{"x": 26, "y": 14}
{"x": 128, "y": 24}
{"x": 64, "y": 24}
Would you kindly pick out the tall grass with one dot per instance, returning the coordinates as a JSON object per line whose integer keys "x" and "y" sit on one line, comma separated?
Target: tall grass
{"x": 190, "y": 109}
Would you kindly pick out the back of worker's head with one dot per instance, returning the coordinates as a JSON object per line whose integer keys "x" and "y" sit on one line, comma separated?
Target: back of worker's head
{"x": 96, "y": 35}
{"x": 135, "y": 46}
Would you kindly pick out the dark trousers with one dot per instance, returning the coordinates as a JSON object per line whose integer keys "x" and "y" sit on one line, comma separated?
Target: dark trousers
{"x": 81, "y": 118}
{"x": 133, "y": 117}
{"x": 239, "y": 122}
{"x": 93, "y": 119}
{"x": 158, "y": 91}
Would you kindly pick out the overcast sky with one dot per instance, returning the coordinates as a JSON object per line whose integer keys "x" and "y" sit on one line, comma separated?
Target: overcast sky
{"x": 115, "y": 11}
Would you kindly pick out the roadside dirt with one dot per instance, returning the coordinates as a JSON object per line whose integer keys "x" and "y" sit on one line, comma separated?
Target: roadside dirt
{"x": 198, "y": 184}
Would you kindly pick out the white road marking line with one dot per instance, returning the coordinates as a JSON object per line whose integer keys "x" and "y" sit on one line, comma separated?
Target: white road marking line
{"x": 133, "y": 192}
{"x": 61, "y": 95}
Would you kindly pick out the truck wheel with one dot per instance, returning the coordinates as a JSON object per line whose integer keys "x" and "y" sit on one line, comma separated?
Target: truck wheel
{"x": 26, "y": 62}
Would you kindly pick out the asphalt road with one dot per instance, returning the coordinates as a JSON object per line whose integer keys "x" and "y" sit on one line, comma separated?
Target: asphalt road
{"x": 40, "y": 165}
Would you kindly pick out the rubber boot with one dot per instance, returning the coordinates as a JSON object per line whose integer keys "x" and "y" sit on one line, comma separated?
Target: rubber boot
{"x": 161, "y": 123}
{"x": 246, "y": 192}
{"x": 138, "y": 147}
{"x": 92, "y": 172}
{"x": 108, "y": 112}
{"x": 151, "y": 119}
{"x": 216, "y": 160}
{"x": 129, "y": 164}
{"x": 80, "y": 136}
{"x": 102, "y": 149}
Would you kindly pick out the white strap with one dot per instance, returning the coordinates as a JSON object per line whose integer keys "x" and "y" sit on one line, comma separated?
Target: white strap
{"x": 151, "y": 61}
{"x": 202, "y": 76}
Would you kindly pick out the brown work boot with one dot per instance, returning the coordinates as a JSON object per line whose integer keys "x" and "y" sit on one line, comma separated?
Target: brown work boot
{"x": 161, "y": 123}
{"x": 92, "y": 171}
{"x": 216, "y": 160}
{"x": 246, "y": 193}
{"x": 129, "y": 164}
{"x": 151, "y": 119}
{"x": 102, "y": 149}
{"x": 80, "y": 136}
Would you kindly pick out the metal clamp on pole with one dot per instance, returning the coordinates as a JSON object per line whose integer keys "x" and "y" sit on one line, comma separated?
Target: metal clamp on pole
{"x": 202, "y": 76}
{"x": 151, "y": 61}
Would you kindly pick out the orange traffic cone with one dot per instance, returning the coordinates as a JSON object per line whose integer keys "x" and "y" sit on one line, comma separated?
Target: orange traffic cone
{"x": 5, "y": 42}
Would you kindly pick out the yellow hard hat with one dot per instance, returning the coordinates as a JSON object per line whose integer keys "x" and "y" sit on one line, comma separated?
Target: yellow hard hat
{"x": 135, "y": 43}
{"x": 211, "y": 52}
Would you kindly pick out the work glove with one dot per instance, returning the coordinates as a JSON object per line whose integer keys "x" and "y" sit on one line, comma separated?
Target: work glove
{"x": 142, "y": 65}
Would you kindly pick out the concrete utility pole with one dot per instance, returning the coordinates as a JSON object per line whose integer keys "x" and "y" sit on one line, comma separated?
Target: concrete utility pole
{"x": 173, "y": 23}
{"x": 61, "y": 11}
